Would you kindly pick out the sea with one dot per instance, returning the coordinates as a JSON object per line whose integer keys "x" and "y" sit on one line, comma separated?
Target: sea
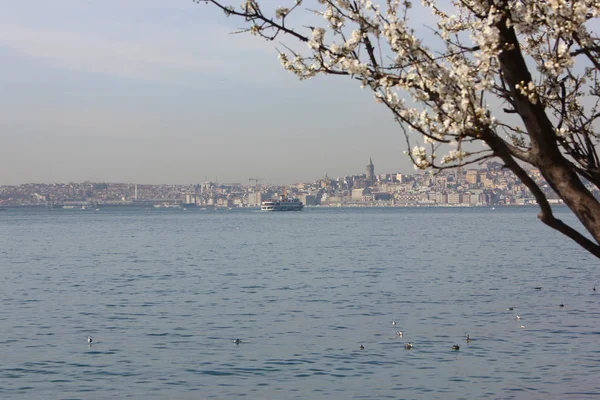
{"x": 164, "y": 293}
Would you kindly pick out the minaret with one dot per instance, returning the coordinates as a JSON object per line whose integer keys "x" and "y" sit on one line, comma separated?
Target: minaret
{"x": 370, "y": 173}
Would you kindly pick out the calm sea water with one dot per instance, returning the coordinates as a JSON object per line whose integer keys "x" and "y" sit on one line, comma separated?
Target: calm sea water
{"x": 165, "y": 293}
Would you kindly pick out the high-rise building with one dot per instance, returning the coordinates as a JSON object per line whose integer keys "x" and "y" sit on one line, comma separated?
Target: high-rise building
{"x": 254, "y": 199}
{"x": 370, "y": 173}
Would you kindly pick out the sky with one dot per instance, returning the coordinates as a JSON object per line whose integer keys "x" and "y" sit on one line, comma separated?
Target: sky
{"x": 157, "y": 91}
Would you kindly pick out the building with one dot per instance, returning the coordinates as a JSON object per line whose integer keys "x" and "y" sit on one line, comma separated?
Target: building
{"x": 370, "y": 173}
{"x": 254, "y": 199}
{"x": 453, "y": 198}
{"x": 308, "y": 199}
{"x": 472, "y": 176}
{"x": 359, "y": 194}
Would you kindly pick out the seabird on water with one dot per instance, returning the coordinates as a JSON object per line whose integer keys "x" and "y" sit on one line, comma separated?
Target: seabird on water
{"x": 456, "y": 347}
{"x": 408, "y": 346}
{"x": 89, "y": 339}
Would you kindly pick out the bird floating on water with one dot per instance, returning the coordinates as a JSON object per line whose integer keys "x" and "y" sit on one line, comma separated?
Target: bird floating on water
{"x": 399, "y": 333}
{"x": 510, "y": 308}
{"x": 468, "y": 339}
{"x": 538, "y": 288}
{"x": 394, "y": 323}
{"x": 522, "y": 326}
{"x": 362, "y": 347}
{"x": 237, "y": 341}
{"x": 456, "y": 347}
{"x": 561, "y": 305}
{"x": 89, "y": 339}
{"x": 518, "y": 318}
{"x": 408, "y": 346}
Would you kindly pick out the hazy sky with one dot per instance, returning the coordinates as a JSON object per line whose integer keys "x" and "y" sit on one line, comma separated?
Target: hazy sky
{"x": 158, "y": 91}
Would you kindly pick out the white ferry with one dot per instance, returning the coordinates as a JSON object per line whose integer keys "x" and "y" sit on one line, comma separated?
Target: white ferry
{"x": 283, "y": 204}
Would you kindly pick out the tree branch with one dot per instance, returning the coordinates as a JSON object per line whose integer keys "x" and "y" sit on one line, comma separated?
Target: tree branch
{"x": 546, "y": 214}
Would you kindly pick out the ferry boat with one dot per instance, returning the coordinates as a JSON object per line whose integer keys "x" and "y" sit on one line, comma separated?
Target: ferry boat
{"x": 282, "y": 204}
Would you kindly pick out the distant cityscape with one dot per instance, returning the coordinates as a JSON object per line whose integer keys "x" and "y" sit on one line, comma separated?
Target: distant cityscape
{"x": 487, "y": 185}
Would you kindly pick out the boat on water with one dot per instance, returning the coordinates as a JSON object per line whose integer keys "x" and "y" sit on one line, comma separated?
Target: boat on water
{"x": 282, "y": 204}
{"x": 167, "y": 205}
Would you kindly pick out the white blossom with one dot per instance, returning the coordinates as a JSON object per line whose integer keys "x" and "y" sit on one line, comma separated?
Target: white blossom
{"x": 528, "y": 90}
{"x": 281, "y": 12}
{"x": 453, "y": 155}
{"x": 318, "y": 34}
{"x": 254, "y": 29}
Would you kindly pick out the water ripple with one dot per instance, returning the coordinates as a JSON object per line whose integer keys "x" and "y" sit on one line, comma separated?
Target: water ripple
{"x": 165, "y": 294}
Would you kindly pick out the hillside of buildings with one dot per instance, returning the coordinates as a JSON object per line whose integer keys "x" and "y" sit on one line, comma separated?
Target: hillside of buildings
{"x": 487, "y": 185}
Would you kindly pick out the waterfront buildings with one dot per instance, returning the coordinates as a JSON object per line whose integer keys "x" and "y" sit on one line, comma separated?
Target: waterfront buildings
{"x": 489, "y": 184}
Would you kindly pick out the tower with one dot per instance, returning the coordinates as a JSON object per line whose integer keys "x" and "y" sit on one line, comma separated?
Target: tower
{"x": 370, "y": 173}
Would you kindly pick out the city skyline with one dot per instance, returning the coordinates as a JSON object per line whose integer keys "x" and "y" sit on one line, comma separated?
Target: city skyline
{"x": 489, "y": 185}
{"x": 148, "y": 91}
